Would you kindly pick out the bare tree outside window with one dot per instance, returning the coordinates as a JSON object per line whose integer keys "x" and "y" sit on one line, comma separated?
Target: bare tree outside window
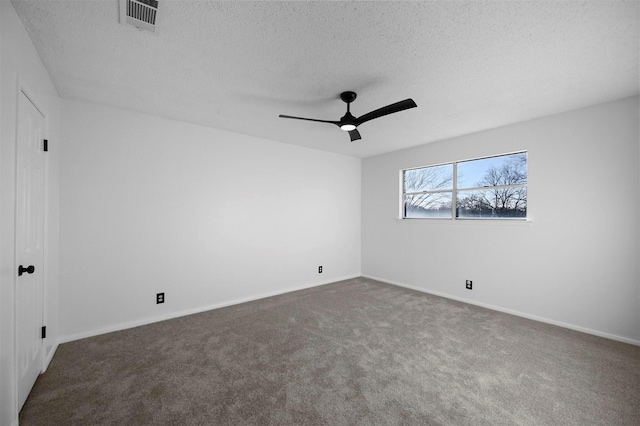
{"x": 501, "y": 192}
{"x": 428, "y": 191}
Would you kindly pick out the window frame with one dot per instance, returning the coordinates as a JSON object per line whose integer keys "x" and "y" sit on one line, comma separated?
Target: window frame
{"x": 454, "y": 190}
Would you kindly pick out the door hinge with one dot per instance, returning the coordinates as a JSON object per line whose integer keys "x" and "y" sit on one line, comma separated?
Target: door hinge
{"x": 45, "y": 145}
{"x": 44, "y": 331}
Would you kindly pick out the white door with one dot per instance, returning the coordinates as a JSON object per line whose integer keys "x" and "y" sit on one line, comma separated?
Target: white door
{"x": 29, "y": 245}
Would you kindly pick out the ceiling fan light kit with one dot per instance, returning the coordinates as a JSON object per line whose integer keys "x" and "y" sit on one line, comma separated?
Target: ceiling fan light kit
{"x": 349, "y": 123}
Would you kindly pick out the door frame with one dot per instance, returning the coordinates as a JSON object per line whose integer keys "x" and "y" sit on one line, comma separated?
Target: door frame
{"x": 24, "y": 89}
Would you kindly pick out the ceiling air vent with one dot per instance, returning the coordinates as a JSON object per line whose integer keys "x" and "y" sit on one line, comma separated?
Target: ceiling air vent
{"x": 142, "y": 14}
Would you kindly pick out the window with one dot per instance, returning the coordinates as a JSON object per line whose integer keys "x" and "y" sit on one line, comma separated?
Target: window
{"x": 428, "y": 192}
{"x": 482, "y": 188}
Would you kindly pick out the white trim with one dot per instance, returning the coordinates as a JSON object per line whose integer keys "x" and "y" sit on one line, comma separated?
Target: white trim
{"x": 489, "y": 188}
{"x": 14, "y": 343}
{"x": 523, "y": 223}
{"x": 124, "y": 326}
{"x": 436, "y": 191}
{"x": 454, "y": 200}
{"x": 511, "y": 312}
{"x": 49, "y": 356}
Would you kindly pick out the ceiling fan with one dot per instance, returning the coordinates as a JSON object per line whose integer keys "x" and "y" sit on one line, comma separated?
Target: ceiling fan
{"x": 348, "y": 123}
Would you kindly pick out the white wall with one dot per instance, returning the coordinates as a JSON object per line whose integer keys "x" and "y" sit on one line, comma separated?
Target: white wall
{"x": 208, "y": 217}
{"x": 576, "y": 264}
{"x": 20, "y": 65}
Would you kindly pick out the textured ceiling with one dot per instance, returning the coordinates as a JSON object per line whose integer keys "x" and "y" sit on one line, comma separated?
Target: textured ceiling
{"x": 469, "y": 65}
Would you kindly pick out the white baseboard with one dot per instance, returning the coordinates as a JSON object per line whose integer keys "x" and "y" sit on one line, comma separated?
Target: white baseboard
{"x": 124, "y": 326}
{"x": 145, "y": 321}
{"x": 49, "y": 356}
{"x": 511, "y": 312}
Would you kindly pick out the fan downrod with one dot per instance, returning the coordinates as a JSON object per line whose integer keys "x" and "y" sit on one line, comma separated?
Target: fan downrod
{"x": 348, "y": 97}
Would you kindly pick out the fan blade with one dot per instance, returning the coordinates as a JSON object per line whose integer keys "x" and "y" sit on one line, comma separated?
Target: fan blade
{"x": 337, "y": 123}
{"x": 389, "y": 109}
{"x": 354, "y": 135}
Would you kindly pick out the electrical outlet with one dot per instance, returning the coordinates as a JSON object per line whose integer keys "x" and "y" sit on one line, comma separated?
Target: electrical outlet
{"x": 469, "y": 284}
{"x": 319, "y": 269}
{"x": 159, "y": 298}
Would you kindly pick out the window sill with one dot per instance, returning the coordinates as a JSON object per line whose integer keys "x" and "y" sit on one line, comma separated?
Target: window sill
{"x": 517, "y": 223}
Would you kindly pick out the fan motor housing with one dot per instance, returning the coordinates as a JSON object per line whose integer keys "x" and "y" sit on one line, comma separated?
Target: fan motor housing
{"x": 348, "y": 97}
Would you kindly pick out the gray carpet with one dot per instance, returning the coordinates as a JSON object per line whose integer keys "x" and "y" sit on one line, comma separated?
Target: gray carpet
{"x": 356, "y": 352}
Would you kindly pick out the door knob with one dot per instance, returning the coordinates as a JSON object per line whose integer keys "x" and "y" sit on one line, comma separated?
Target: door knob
{"x": 29, "y": 269}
